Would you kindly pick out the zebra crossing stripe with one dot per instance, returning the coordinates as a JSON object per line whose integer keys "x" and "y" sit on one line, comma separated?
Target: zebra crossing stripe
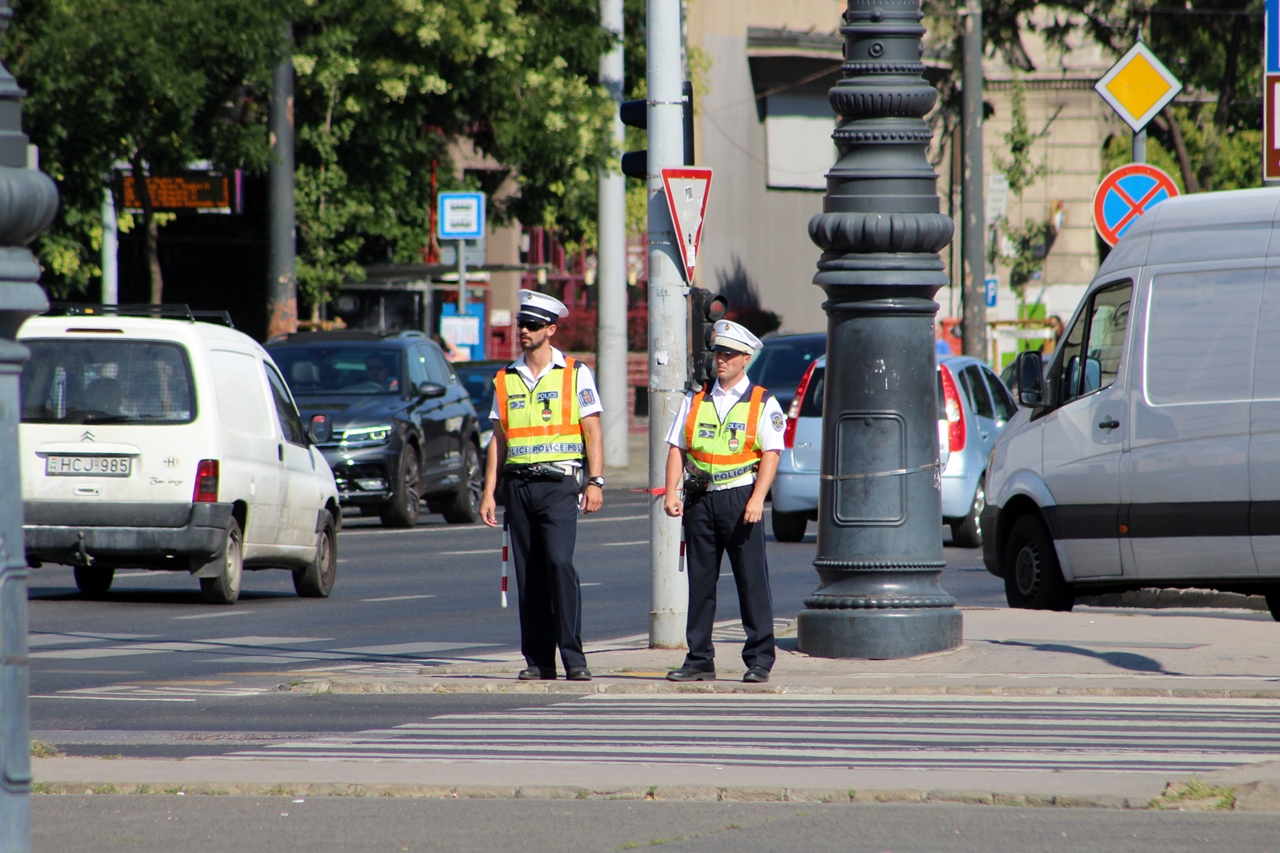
{"x": 1179, "y": 736}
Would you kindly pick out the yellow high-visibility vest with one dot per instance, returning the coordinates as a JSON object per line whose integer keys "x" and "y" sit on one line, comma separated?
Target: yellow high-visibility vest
{"x": 542, "y": 425}
{"x": 726, "y": 449}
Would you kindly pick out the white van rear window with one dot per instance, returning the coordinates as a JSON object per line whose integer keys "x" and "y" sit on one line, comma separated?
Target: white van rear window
{"x": 106, "y": 382}
{"x": 1200, "y": 333}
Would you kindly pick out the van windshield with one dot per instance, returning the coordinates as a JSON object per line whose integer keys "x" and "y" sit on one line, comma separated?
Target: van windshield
{"x": 113, "y": 381}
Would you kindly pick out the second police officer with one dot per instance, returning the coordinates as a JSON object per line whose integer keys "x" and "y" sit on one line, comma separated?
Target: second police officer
{"x": 728, "y": 438}
{"x": 546, "y": 415}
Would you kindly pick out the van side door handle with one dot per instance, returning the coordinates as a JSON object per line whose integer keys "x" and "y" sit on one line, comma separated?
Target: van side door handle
{"x": 1109, "y": 425}
{"x": 280, "y": 452}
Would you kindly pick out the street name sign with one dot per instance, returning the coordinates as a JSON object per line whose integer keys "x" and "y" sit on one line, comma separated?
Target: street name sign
{"x": 1271, "y": 93}
{"x": 687, "y": 189}
{"x": 1126, "y": 194}
{"x": 1138, "y": 86}
{"x": 460, "y": 216}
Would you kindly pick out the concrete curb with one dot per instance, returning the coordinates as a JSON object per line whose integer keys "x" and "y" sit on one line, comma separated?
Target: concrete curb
{"x": 510, "y": 686}
{"x": 1160, "y": 599}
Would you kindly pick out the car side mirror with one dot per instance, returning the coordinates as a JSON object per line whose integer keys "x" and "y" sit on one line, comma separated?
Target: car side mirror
{"x": 431, "y": 390}
{"x": 1030, "y": 374}
{"x": 321, "y": 429}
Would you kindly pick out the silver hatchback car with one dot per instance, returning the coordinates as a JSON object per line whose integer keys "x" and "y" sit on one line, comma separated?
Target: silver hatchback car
{"x": 973, "y": 406}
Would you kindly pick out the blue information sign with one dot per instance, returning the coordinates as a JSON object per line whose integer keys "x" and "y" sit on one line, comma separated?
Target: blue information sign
{"x": 460, "y": 216}
{"x": 992, "y": 289}
{"x": 1272, "y": 51}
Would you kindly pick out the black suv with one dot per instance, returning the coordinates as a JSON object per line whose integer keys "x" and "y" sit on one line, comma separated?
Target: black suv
{"x": 403, "y": 428}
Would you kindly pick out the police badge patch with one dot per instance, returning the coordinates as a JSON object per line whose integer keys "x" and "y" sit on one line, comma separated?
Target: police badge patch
{"x": 734, "y": 444}
{"x": 777, "y": 422}
{"x": 585, "y": 397}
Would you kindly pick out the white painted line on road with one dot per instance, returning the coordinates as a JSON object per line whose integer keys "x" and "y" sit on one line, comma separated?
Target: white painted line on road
{"x": 216, "y": 615}
{"x": 593, "y": 583}
{"x": 115, "y": 698}
{"x": 619, "y": 518}
{"x": 412, "y": 648}
{"x": 399, "y": 597}
{"x": 460, "y": 528}
{"x": 481, "y": 551}
{"x": 617, "y": 544}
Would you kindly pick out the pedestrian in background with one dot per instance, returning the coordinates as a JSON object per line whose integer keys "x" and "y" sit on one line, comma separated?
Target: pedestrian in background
{"x": 546, "y": 416}
{"x": 728, "y": 439}
{"x": 1057, "y": 327}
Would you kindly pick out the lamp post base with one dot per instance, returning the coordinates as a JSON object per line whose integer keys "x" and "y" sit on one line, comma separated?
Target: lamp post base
{"x": 878, "y": 634}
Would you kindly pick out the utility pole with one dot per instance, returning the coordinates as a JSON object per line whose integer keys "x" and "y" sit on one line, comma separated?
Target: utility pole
{"x": 31, "y": 202}
{"x": 974, "y": 232}
{"x": 611, "y": 269}
{"x": 668, "y": 319}
{"x": 110, "y": 250}
{"x": 282, "y": 272}
{"x": 879, "y": 555}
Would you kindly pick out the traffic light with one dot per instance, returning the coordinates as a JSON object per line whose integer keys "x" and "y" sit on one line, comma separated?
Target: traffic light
{"x": 635, "y": 164}
{"x": 705, "y": 308}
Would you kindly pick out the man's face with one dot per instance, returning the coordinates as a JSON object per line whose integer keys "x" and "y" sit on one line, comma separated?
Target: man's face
{"x": 378, "y": 369}
{"x": 730, "y": 364}
{"x": 534, "y": 333}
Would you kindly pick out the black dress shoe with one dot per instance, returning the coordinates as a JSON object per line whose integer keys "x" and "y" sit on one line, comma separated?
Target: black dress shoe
{"x": 578, "y": 673}
{"x": 535, "y": 673}
{"x": 756, "y": 675}
{"x": 690, "y": 673}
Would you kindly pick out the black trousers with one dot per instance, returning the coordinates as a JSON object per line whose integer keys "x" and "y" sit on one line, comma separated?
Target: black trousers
{"x": 543, "y": 521}
{"x": 713, "y": 525}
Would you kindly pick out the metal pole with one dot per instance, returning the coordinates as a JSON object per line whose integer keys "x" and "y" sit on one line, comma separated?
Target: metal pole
{"x": 1140, "y": 146}
{"x": 880, "y": 507}
{"x": 974, "y": 231}
{"x": 31, "y": 202}
{"x": 282, "y": 273}
{"x": 462, "y": 278}
{"x": 611, "y": 267}
{"x": 110, "y": 251}
{"x": 668, "y": 320}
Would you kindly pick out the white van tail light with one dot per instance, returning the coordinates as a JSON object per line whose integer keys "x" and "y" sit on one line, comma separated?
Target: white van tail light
{"x": 955, "y": 413}
{"x": 793, "y": 413}
{"x": 206, "y": 482}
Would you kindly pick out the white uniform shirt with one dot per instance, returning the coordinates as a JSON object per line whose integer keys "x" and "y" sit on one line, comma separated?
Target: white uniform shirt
{"x": 769, "y": 428}
{"x": 588, "y": 394}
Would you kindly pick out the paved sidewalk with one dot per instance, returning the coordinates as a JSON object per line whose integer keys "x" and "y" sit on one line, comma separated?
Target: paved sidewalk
{"x": 1220, "y": 666}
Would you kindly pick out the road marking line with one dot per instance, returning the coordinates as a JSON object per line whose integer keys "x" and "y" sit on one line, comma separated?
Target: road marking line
{"x": 618, "y": 544}
{"x": 460, "y": 528}
{"x": 597, "y": 583}
{"x": 619, "y": 518}
{"x": 399, "y": 597}
{"x": 481, "y": 551}
{"x": 216, "y": 615}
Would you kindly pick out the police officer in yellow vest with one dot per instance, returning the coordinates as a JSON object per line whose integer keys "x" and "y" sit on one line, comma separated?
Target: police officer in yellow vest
{"x": 546, "y": 417}
{"x": 728, "y": 438}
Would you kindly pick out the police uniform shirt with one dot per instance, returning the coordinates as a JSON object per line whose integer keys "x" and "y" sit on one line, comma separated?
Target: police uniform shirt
{"x": 769, "y": 429}
{"x": 588, "y": 395}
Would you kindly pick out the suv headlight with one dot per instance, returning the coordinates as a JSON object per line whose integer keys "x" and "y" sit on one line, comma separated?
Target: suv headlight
{"x": 365, "y": 436}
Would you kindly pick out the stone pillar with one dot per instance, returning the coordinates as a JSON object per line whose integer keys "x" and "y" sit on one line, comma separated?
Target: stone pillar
{"x": 880, "y": 515}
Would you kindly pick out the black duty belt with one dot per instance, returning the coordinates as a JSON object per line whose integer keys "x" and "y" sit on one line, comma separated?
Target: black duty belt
{"x": 536, "y": 472}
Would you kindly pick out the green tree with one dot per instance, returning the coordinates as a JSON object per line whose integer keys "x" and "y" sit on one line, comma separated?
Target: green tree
{"x": 154, "y": 83}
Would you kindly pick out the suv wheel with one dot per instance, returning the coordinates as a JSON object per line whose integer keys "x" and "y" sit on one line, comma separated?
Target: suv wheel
{"x": 464, "y": 506}
{"x": 967, "y": 532}
{"x": 94, "y": 582}
{"x": 317, "y": 579}
{"x": 404, "y": 507}
{"x": 789, "y": 526}
{"x": 1032, "y": 577}
{"x": 225, "y": 588}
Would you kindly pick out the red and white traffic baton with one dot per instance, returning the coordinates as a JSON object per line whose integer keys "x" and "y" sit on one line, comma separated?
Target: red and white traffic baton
{"x": 682, "y": 558}
{"x": 506, "y": 550}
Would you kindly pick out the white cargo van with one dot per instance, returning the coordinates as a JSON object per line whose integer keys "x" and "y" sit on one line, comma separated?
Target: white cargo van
{"x": 170, "y": 444}
{"x": 1147, "y": 451}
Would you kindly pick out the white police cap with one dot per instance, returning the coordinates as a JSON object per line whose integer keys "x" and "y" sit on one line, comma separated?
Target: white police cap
{"x": 732, "y": 336}
{"x": 540, "y": 307}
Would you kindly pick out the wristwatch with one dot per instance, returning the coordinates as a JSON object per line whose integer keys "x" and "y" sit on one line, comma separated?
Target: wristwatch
{"x": 596, "y": 481}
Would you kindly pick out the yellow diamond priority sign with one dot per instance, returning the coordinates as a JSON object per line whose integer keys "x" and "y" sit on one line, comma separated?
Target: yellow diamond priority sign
{"x": 1138, "y": 86}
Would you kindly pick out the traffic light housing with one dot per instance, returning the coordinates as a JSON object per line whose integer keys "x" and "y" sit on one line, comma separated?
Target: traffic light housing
{"x": 705, "y": 308}
{"x": 635, "y": 164}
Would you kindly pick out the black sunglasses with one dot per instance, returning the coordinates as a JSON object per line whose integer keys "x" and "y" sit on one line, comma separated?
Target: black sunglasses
{"x": 531, "y": 325}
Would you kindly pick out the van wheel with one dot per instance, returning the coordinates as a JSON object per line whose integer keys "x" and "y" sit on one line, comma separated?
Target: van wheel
{"x": 404, "y": 507}
{"x": 789, "y": 526}
{"x": 1032, "y": 577}
{"x": 967, "y": 532}
{"x": 464, "y": 506}
{"x": 225, "y": 588}
{"x": 1273, "y": 602}
{"x": 94, "y": 582}
{"x": 317, "y": 579}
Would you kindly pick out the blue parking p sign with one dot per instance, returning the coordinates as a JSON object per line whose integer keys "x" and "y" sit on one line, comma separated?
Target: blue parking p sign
{"x": 992, "y": 285}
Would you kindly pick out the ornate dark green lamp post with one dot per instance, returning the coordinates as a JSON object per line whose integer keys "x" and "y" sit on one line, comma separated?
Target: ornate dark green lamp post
{"x": 28, "y": 202}
{"x": 879, "y": 545}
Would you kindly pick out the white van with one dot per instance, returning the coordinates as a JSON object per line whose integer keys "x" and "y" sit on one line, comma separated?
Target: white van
{"x": 1147, "y": 453}
{"x": 168, "y": 444}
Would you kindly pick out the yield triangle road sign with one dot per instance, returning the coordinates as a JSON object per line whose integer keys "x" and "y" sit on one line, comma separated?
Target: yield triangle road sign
{"x": 687, "y": 190}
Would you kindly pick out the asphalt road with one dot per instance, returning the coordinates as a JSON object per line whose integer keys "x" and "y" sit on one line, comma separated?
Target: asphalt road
{"x": 152, "y": 657}
{"x": 160, "y": 824}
